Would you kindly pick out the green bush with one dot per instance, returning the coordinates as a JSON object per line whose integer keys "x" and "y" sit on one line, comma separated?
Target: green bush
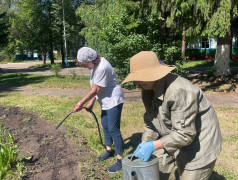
{"x": 56, "y": 68}
{"x": 122, "y": 31}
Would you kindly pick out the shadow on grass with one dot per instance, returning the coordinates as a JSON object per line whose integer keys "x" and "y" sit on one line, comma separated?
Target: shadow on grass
{"x": 216, "y": 84}
{"x": 2, "y": 95}
{"x": 216, "y": 176}
{"x": 132, "y": 141}
{"x": 26, "y": 70}
{"x": 9, "y": 82}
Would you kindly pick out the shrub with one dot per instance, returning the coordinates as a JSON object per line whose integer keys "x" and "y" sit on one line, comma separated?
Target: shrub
{"x": 56, "y": 68}
{"x": 8, "y": 155}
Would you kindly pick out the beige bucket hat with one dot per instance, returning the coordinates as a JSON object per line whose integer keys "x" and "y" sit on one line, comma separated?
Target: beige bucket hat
{"x": 145, "y": 66}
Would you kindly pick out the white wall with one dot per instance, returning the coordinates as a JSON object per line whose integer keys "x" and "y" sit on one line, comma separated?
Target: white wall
{"x": 195, "y": 44}
{"x": 233, "y": 41}
{"x": 213, "y": 44}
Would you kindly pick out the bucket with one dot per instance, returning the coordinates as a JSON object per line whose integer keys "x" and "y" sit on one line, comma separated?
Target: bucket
{"x": 134, "y": 168}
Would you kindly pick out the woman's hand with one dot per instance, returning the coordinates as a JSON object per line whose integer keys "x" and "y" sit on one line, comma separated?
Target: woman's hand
{"x": 90, "y": 104}
{"x": 78, "y": 107}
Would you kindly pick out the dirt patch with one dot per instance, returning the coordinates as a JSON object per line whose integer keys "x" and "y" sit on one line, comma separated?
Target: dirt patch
{"x": 54, "y": 154}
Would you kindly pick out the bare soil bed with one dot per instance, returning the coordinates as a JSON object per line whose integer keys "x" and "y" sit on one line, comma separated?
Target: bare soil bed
{"x": 52, "y": 154}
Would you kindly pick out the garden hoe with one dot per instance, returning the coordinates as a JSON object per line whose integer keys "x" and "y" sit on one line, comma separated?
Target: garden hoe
{"x": 95, "y": 118}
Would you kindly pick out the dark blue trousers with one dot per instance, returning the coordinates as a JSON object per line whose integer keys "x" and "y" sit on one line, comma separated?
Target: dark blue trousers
{"x": 111, "y": 119}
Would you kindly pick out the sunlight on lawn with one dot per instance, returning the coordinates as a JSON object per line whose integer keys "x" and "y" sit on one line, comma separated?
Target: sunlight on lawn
{"x": 228, "y": 159}
{"x": 45, "y": 81}
{"x": 55, "y": 108}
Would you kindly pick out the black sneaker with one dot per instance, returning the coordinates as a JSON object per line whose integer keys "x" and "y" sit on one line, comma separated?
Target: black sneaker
{"x": 106, "y": 155}
{"x": 115, "y": 167}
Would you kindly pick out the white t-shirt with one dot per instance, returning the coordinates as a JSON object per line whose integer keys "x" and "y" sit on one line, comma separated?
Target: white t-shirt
{"x": 111, "y": 93}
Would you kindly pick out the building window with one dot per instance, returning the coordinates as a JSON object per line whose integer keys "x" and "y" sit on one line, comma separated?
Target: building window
{"x": 205, "y": 43}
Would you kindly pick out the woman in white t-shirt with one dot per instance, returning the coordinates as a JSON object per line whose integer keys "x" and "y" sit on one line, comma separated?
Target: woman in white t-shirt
{"x": 108, "y": 92}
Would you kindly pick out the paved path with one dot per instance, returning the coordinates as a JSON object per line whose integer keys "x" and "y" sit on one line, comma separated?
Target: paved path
{"x": 25, "y": 68}
{"x": 217, "y": 99}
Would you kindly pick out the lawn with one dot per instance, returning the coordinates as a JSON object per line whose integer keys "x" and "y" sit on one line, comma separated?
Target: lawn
{"x": 54, "y": 109}
{"x": 205, "y": 63}
{"x": 45, "y": 81}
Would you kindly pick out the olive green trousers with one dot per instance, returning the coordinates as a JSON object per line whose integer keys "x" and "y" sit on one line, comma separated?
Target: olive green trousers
{"x": 167, "y": 164}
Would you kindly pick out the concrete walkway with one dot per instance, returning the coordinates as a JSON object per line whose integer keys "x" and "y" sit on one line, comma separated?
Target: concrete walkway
{"x": 217, "y": 99}
{"x": 26, "y": 68}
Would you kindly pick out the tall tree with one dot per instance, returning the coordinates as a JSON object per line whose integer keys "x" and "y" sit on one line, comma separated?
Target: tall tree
{"x": 208, "y": 18}
{"x": 3, "y": 29}
{"x": 40, "y": 26}
{"x": 71, "y": 25}
{"x": 7, "y": 13}
{"x": 223, "y": 18}
{"x": 31, "y": 24}
{"x": 121, "y": 28}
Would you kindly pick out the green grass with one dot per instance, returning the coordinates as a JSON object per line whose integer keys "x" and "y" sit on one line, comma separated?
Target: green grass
{"x": 54, "y": 109}
{"x": 227, "y": 161}
{"x": 83, "y": 122}
{"x": 26, "y": 119}
{"x": 48, "y": 65}
{"x": 45, "y": 81}
{"x": 10, "y": 166}
{"x": 5, "y": 61}
{"x": 131, "y": 126}
{"x": 44, "y": 66}
{"x": 205, "y": 63}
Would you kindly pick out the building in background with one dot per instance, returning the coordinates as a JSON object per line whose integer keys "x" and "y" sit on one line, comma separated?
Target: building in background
{"x": 205, "y": 48}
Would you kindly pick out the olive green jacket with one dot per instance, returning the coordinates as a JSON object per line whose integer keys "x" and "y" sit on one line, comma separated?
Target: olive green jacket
{"x": 178, "y": 114}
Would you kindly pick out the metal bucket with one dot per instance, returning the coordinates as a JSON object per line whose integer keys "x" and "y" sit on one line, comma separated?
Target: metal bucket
{"x": 134, "y": 168}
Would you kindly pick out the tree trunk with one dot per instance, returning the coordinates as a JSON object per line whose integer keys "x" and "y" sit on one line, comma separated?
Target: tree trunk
{"x": 183, "y": 42}
{"x": 44, "y": 58}
{"x": 51, "y": 53}
{"x": 62, "y": 46}
{"x": 222, "y": 59}
{"x": 62, "y": 54}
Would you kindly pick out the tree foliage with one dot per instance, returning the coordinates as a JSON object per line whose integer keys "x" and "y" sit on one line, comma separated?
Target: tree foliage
{"x": 119, "y": 29}
{"x": 38, "y": 26}
{"x": 6, "y": 15}
{"x": 3, "y": 29}
{"x": 207, "y": 18}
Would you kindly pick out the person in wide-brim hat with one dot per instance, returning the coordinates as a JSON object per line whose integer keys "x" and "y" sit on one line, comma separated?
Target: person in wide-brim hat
{"x": 182, "y": 127}
{"x": 145, "y": 66}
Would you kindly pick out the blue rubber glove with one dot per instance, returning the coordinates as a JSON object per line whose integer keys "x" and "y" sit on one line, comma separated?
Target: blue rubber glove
{"x": 144, "y": 150}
